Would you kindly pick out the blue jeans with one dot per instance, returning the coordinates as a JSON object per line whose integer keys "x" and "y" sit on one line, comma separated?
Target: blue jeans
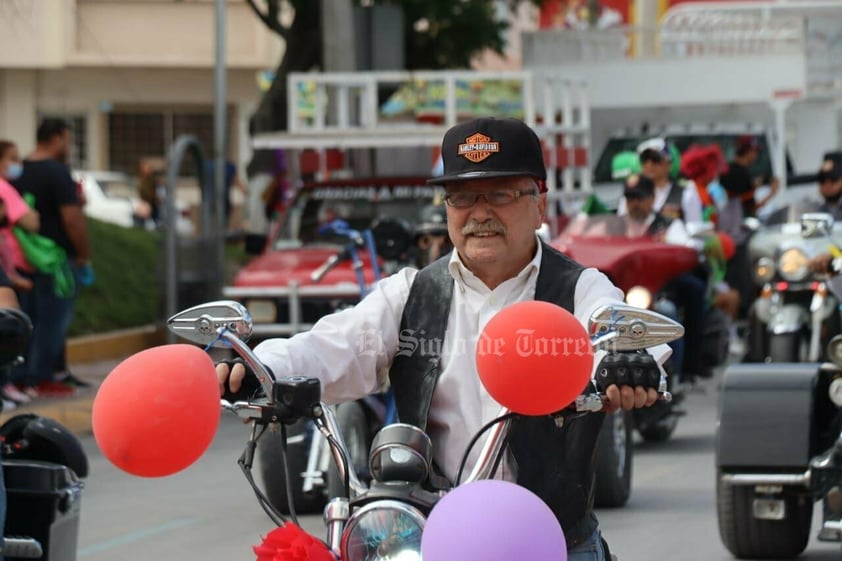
{"x": 690, "y": 293}
{"x": 51, "y": 317}
{"x": 668, "y": 309}
{"x": 589, "y": 550}
{"x": 2, "y": 503}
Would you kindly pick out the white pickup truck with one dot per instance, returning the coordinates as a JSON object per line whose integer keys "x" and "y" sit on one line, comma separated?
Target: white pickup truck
{"x": 609, "y": 189}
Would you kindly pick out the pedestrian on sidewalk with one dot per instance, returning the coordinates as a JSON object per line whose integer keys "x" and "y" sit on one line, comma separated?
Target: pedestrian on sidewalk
{"x": 46, "y": 177}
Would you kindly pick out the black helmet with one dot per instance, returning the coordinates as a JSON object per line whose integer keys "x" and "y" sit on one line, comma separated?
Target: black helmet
{"x": 32, "y": 437}
{"x": 432, "y": 220}
{"x": 15, "y": 332}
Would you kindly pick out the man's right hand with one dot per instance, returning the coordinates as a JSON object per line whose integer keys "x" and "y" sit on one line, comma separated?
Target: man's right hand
{"x": 234, "y": 384}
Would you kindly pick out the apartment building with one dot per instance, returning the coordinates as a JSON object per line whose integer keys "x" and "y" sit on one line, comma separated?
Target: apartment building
{"x": 130, "y": 75}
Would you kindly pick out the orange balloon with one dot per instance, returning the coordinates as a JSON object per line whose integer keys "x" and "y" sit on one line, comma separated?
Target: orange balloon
{"x": 534, "y": 357}
{"x": 157, "y": 412}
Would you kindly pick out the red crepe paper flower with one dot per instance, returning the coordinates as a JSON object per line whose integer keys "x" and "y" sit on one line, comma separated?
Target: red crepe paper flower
{"x": 703, "y": 162}
{"x": 291, "y": 543}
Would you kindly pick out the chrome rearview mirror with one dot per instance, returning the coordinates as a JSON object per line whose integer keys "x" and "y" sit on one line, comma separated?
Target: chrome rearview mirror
{"x": 199, "y": 324}
{"x": 622, "y": 327}
{"x": 816, "y": 224}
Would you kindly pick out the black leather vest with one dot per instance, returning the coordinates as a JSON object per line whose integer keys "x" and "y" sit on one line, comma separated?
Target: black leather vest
{"x": 672, "y": 208}
{"x": 557, "y": 464}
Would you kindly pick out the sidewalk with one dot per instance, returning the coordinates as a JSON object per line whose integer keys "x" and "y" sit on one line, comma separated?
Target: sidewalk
{"x": 91, "y": 358}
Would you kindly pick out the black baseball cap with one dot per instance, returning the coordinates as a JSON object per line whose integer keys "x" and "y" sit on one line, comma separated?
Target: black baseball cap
{"x": 830, "y": 171}
{"x": 638, "y": 186}
{"x": 490, "y": 147}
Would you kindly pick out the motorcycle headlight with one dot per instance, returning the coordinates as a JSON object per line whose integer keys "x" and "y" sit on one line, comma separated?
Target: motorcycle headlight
{"x": 764, "y": 270}
{"x": 834, "y": 350}
{"x": 792, "y": 265}
{"x": 383, "y": 531}
{"x": 262, "y": 311}
{"x": 639, "y": 297}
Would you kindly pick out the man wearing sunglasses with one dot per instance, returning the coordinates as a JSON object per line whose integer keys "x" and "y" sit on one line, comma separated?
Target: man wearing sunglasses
{"x": 671, "y": 199}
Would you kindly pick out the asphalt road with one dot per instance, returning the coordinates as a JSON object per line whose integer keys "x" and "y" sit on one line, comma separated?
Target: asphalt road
{"x": 208, "y": 512}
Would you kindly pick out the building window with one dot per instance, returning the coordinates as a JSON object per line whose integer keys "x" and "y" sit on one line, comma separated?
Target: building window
{"x": 79, "y": 125}
{"x": 134, "y": 136}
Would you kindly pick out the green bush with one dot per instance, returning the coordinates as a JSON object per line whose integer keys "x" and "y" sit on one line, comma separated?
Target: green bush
{"x": 128, "y": 291}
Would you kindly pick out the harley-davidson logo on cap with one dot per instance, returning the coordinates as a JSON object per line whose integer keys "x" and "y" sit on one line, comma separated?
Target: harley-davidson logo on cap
{"x": 478, "y": 147}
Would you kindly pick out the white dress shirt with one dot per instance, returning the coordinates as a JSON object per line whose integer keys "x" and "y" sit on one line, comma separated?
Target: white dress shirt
{"x": 351, "y": 351}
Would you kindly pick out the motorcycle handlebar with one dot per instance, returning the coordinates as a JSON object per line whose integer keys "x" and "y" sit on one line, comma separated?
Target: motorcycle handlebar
{"x": 329, "y": 264}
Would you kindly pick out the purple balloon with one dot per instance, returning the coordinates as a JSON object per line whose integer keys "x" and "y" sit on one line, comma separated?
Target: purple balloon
{"x": 493, "y": 521}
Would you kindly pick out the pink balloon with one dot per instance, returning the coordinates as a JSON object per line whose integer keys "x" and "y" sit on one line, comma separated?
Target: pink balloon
{"x": 494, "y": 521}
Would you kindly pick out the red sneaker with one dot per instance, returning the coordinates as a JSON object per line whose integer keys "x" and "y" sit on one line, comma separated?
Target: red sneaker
{"x": 55, "y": 389}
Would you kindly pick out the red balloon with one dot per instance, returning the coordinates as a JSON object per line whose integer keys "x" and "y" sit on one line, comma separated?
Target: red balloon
{"x": 157, "y": 412}
{"x": 728, "y": 247}
{"x": 534, "y": 357}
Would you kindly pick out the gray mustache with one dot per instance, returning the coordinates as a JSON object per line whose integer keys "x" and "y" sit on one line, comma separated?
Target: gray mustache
{"x": 487, "y": 227}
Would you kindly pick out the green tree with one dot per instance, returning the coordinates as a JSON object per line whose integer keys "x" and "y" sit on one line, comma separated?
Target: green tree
{"x": 438, "y": 34}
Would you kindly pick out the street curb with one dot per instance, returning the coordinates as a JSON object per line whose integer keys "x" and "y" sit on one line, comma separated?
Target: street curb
{"x": 74, "y": 413}
{"x": 114, "y": 344}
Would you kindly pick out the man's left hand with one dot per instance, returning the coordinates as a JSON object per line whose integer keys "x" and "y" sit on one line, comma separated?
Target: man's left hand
{"x": 629, "y": 379}
{"x": 627, "y": 397}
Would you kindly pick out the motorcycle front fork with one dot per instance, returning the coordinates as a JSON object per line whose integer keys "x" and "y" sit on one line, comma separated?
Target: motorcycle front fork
{"x": 318, "y": 460}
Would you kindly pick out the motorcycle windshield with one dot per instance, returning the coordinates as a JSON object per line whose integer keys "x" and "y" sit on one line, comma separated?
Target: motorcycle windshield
{"x": 791, "y": 214}
{"x": 597, "y": 226}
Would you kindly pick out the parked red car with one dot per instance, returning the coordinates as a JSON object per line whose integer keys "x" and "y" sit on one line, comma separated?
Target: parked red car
{"x": 277, "y": 286}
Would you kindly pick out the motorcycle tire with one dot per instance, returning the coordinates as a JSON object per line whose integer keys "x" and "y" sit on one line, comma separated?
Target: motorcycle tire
{"x": 352, "y": 420}
{"x": 614, "y": 453}
{"x": 715, "y": 338}
{"x": 758, "y": 340}
{"x": 656, "y": 423}
{"x": 271, "y": 467}
{"x": 785, "y": 347}
{"x": 747, "y": 537}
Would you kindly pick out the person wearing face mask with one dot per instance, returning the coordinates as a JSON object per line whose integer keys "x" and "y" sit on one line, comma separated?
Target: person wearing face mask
{"x": 13, "y": 212}
{"x": 47, "y": 178}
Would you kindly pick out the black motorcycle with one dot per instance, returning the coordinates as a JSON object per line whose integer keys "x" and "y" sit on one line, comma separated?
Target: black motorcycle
{"x": 384, "y": 520}
{"x": 778, "y": 451}
{"x": 43, "y": 464}
{"x": 795, "y": 312}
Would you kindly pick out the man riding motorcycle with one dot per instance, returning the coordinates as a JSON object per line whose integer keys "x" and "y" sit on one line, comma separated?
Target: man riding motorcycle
{"x": 689, "y": 289}
{"x": 672, "y": 200}
{"x": 494, "y": 177}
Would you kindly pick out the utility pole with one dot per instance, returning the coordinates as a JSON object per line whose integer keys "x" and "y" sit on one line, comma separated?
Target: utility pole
{"x": 219, "y": 144}
{"x": 338, "y": 41}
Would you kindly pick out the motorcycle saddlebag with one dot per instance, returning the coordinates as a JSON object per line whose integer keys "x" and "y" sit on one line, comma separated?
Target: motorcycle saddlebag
{"x": 43, "y": 502}
{"x": 765, "y": 415}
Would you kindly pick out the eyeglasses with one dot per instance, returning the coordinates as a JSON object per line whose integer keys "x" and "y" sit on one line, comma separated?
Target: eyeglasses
{"x": 635, "y": 196}
{"x": 500, "y": 197}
